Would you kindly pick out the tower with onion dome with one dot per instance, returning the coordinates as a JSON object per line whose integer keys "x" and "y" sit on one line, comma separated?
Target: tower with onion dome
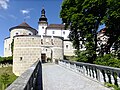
{"x": 42, "y": 24}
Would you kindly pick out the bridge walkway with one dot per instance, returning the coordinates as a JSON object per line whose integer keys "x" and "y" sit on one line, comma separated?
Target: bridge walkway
{"x": 56, "y": 77}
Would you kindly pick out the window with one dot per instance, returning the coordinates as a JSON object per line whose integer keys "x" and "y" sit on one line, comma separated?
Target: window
{"x": 52, "y": 42}
{"x": 20, "y": 58}
{"x": 30, "y": 34}
{"x": 42, "y": 27}
{"x": 63, "y": 32}
{"x": 24, "y": 33}
{"x": 53, "y": 32}
{"x": 9, "y": 46}
{"x": 67, "y": 46}
{"x": 41, "y": 41}
{"x": 16, "y": 33}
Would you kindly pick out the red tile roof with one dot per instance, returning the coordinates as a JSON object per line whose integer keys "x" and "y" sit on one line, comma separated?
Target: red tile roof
{"x": 24, "y": 25}
{"x": 56, "y": 26}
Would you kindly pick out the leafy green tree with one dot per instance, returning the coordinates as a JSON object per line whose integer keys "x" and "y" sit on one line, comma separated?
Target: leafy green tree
{"x": 112, "y": 20}
{"x": 84, "y": 17}
{"x": 82, "y": 56}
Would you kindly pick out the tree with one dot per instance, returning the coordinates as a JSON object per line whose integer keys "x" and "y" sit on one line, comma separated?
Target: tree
{"x": 5, "y": 79}
{"x": 112, "y": 21}
{"x": 84, "y": 17}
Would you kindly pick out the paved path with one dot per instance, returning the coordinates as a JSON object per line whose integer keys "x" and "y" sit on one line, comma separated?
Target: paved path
{"x": 56, "y": 77}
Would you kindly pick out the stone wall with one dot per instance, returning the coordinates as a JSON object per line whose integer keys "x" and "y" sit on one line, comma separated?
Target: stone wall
{"x": 28, "y": 49}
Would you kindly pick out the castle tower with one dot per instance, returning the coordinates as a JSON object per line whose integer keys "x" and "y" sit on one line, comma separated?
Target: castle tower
{"x": 42, "y": 24}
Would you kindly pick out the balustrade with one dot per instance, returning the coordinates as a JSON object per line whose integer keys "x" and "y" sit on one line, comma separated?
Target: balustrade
{"x": 99, "y": 73}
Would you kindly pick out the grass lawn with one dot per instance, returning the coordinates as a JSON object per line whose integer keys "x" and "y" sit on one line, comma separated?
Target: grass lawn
{"x": 7, "y": 70}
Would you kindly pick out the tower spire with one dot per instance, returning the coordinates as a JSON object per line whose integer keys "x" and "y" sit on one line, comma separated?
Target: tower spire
{"x": 43, "y": 17}
{"x": 42, "y": 24}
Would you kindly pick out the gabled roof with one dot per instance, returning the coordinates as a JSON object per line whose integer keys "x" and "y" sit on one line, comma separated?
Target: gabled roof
{"x": 24, "y": 25}
{"x": 56, "y": 26}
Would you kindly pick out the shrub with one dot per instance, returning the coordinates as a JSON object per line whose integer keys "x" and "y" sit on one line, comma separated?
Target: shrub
{"x": 71, "y": 58}
{"x": 82, "y": 56}
{"x": 108, "y": 60}
{"x": 5, "y": 79}
{"x": 5, "y": 60}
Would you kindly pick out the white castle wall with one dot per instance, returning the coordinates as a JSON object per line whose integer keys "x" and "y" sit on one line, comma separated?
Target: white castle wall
{"x": 7, "y": 47}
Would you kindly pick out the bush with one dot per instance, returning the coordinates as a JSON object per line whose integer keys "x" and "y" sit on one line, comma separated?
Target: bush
{"x": 71, "y": 58}
{"x": 82, "y": 56}
{"x": 5, "y": 79}
{"x": 5, "y": 60}
{"x": 112, "y": 86}
{"x": 108, "y": 60}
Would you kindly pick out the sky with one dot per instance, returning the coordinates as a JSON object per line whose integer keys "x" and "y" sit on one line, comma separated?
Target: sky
{"x": 14, "y": 12}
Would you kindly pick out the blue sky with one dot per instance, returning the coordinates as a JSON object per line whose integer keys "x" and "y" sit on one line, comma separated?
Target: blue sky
{"x": 13, "y": 13}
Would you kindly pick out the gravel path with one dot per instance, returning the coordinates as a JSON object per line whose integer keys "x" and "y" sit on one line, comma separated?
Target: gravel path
{"x": 56, "y": 77}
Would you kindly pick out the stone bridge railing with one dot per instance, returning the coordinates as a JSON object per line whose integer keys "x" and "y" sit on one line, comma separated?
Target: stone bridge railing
{"x": 31, "y": 79}
{"x": 99, "y": 73}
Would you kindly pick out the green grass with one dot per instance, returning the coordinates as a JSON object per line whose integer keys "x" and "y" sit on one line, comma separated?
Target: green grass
{"x": 7, "y": 70}
{"x": 113, "y": 87}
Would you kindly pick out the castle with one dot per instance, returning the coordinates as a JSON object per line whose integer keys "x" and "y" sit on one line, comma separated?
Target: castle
{"x": 49, "y": 42}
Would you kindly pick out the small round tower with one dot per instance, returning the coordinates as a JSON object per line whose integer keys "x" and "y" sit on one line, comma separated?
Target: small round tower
{"x": 22, "y": 29}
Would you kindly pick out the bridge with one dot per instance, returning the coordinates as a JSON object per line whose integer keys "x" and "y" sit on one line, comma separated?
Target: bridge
{"x": 66, "y": 75}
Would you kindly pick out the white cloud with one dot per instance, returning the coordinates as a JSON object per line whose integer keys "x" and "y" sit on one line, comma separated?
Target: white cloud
{"x": 4, "y": 4}
{"x": 25, "y": 11}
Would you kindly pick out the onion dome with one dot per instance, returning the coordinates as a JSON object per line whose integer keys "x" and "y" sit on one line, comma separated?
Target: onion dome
{"x": 43, "y": 17}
